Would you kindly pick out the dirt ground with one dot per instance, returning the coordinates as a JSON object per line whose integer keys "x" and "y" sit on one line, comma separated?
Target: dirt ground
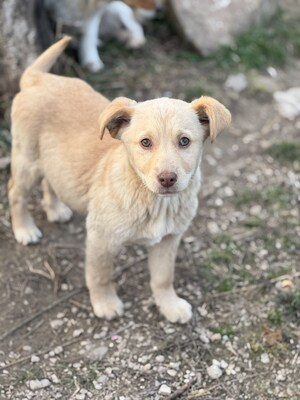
{"x": 238, "y": 264}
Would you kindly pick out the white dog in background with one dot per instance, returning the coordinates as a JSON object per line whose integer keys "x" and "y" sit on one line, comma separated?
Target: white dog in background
{"x": 119, "y": 19}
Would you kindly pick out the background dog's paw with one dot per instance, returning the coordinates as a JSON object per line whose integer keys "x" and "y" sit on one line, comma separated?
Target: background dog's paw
{"x": 93, "y": 65}
{"x": 59, "y": 213}
{"x": 28, "y": 234}
{"x": 135, "y": 42}
{"x": 177, "y": 310}
{"x": 109, "y": 308}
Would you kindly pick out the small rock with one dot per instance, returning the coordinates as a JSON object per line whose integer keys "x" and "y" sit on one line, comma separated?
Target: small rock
{"x": 28, "y": 349}
{"x": 214, "y": 372}
{"x": 54, "y": 378}
{"x": 143, "y": 359}
{"x": 264, "y": 358}
{"x": 34, "y": 359}
{"x": 164, "y": 390}
{"x": 160, "y": 358}
{"x": 202, "y": 310}
{"x": 213, "y": 228}
{"x": 38, "y": 384}
{"x": 172, "y": 372}
{"x": 58, "y": 350}
{"x": 216, "y": 337}
{"x": 281, "y": 375}
{"x": 255, "y": 210}
{"x": 223, "y": 364}
{"x": 77, "y": 332}
{"x": 56, "y": 323}
{"x": 288, "y": 102}
{"x": 236, "y": 82}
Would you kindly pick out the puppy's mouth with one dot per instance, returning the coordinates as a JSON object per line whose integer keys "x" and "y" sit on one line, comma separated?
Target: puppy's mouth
{"x": 167, "y": 192}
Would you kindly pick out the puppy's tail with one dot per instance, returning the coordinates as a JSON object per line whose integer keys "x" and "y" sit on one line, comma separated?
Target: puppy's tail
{"x": 44, "y": 62}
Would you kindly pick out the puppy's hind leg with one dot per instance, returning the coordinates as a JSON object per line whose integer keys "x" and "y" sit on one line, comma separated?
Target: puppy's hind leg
{"x": 25, "y": 175}
{"x": 55, "y": 209}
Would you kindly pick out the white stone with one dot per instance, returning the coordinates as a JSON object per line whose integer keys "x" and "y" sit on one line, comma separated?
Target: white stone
{"x": 213, "y": 228}
{"x": 38, "y": 384}
{"x": 216, "y": 337}
{"x": 164, "y": 390}
{"x": 223, "y": 364}
{"x": 264, "y": 358}
{"x": 288, "y": 102}
{"x": 77, "y": 332}
{"x": 172, "y": 372}
{"x": 236, "y": 82}
{"x": 56, "y": 323}
{"x": 214, "y": 372}
{"x": 160, "y": 358}
{"x": 34, "y": 359}
{"x": 54, "y": 378}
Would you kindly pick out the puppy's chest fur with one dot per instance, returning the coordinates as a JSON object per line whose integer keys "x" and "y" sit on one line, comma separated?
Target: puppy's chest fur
{"x": 147, "y": 220}
{"x": 164, "y": 217}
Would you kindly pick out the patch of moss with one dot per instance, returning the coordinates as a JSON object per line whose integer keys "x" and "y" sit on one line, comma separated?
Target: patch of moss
{"x": 224, "y": 330}
{"x": 263, "y": 45}
{"x": 275, "y": 316}
{"x": 285, "y": 152}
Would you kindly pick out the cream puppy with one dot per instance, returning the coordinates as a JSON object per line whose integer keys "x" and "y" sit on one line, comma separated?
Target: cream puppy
{"x": 138, "y": 184}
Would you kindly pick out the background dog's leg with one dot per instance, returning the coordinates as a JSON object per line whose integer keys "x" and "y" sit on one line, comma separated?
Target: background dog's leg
{"x": 161, "y": 263}
{"x": 134, "y": 34}
{"x": 88, "y": 51}
{"x": 24, "y": 176}
{"x": 55, "y": 209}
{"x": 98, "y": 272}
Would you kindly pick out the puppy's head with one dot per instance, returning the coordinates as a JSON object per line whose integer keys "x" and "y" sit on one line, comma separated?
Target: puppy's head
{"x": 164, "y": 137}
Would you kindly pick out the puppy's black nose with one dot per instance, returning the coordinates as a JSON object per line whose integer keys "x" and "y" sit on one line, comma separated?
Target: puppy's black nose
{"x": 167, "y": 179}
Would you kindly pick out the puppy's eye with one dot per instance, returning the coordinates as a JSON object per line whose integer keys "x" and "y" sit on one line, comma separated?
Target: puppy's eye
{"x": 146, "y": 143}
{"x": 184, "y": 141}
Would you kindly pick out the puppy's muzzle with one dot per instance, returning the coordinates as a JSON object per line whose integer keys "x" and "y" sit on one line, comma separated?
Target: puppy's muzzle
{"x": 167, "y": 179}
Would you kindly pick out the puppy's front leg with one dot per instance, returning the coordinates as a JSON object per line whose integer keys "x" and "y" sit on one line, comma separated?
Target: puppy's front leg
{"x": 161, "y": 263}
{"x": 98, "y": 273}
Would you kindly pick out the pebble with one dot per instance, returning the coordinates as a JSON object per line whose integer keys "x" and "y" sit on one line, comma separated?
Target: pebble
{"x": 56, "y": 323}
{"x": 213, "y": 228}
{"x": 216, "y": 337}
{"x": 164, "y": 390}
{"x": 38, "y": 384}
{"x": 172, "y": 372}
{"x": 236, "y": 82}
{"x": 54, "y": 378}
{"x": 34, "y": 359}
{"x": 264, "y": 358}
{"x": 214, "y": 372}
{"x": 160, "y": 358}
{"x": 77, "y": 332}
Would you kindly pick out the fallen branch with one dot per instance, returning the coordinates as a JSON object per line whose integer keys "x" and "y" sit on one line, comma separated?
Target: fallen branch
{"x": 39, "y": 313}
{"x": 182, "y": 389}
{"x": 40, "y": 353}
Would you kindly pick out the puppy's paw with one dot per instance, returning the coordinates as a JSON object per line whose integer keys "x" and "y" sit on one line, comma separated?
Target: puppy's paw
{"x": 27, "y": 234}
{"x": 109, "y": 307}
{"x": 59, "y": 213}
{"x": 176, "y": 310}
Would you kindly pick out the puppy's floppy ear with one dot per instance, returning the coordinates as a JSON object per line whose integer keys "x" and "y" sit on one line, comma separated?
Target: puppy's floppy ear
{"x": 116, "y": 115}
{"x": 212, "y": 115}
